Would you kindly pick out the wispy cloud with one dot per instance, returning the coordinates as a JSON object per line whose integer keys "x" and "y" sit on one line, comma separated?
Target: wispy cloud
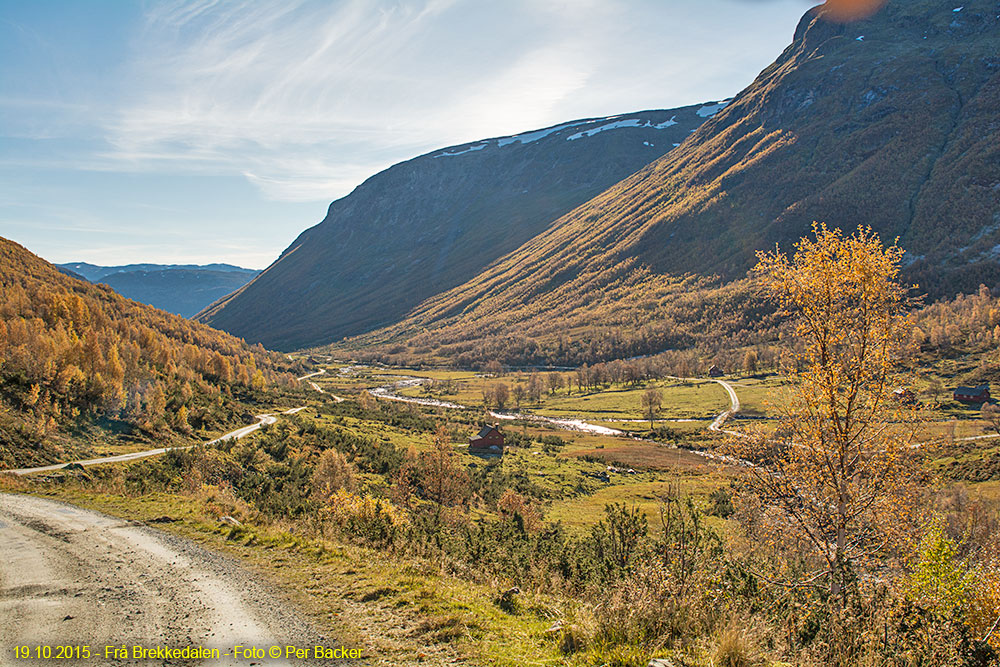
{"x": 279, "y": 90}
{"x": 307, "y": 98}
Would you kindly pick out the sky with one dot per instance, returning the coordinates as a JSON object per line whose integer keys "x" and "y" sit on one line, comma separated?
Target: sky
{"x": 217, "y": 130}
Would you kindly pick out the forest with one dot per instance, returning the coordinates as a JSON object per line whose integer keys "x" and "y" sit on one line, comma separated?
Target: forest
{"x": 73, "y": 354}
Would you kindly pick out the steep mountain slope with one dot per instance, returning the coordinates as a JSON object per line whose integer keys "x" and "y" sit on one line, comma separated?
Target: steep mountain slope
{"x": 430, "y": 223}
{"x": 891, "y": 121}
{"x": 75, "y": 355}
{"x": 184, "y": 292}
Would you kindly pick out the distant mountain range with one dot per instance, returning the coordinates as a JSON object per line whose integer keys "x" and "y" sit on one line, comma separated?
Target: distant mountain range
{"x": 436, "y": 221}
{"x": 182, "y": 289}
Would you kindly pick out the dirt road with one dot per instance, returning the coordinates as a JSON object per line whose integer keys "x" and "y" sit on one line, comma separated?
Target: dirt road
{"x": 70, "y": 576}
{"x": 262, "y": 420}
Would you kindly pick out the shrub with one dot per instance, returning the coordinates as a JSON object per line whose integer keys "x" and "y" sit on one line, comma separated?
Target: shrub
{"x": 368, "y": 519}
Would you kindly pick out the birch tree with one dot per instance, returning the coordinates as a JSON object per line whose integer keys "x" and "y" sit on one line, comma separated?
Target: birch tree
{"x": 837, "y": 472}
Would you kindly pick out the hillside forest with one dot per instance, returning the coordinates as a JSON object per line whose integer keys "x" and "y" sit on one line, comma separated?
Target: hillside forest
{"x": 74, "y": 355}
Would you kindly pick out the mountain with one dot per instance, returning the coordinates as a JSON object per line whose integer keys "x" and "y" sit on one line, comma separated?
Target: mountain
{"x": 184, "y": 292}
{"x": 74, "y": 355}
{"x": 94, "y": 272}
{"x": 182, "y": 289}
{"x": 890, "y": 121}
{"x": 435, "y": 221}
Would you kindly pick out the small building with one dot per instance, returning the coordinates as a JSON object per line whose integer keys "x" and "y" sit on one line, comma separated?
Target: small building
{"x": 904, "y": 395}
{"x": 978, "y": 395}
{"x": 715, "y": 372}
{"x": 489, "y": 442}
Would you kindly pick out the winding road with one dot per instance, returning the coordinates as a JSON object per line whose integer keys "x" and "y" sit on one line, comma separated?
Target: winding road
{"x": 734, "y": 407}
{"x": 232, "y": 435}
{"x": 337, "y": 399}
{"x": 243, "y": 431}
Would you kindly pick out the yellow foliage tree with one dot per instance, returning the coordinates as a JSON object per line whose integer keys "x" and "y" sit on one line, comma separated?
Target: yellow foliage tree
{"x": 837, "y": 473}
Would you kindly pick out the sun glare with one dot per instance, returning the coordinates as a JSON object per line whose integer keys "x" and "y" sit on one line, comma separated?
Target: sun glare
{"x": 851, "y": 10}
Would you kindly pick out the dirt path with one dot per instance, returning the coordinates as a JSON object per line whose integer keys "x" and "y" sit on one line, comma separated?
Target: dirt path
{"x": 734, "y": 407}
{"x": 232, "y": 435}
{"x": 73, "y": 576}
{"x": 316, "y": 387}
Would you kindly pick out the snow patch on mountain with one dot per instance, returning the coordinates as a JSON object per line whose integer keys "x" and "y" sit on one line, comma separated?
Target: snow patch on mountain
{"x": 529, "y": 137}
{"x": 609, "y": 123}
{"x": 477, "y": 147}
{"x": 710, "y": 110}
{"x": 629, "y": 122}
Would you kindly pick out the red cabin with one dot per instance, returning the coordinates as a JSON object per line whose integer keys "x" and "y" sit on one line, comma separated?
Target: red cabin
{"x": 979, "y": 394}
{"x": 489, "y": 442}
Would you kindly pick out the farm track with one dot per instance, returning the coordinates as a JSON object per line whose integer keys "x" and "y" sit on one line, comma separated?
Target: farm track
{"x": 243, "y": 431}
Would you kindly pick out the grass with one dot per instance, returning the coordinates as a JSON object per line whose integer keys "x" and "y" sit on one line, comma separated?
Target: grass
{"x": 581, "y": 513}
{"x": 699, "y": 399}
{"x": 401, "y": 611}
{"x": 681, "y": 400}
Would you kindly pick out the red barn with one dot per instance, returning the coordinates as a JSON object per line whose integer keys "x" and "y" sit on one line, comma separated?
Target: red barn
{"x": 489, "y": 442}
{"x": 979, "y": 394}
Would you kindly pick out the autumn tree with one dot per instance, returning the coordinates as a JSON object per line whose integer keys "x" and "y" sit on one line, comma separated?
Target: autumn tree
{"x": 501, "y": 394}
{"x": 836, "y": 474}
{"x": 519, "y": 393}
{"x": 333, "y": 471}
{"x": 443, "y": 481}
{"x": 555, "y": 382}
{"x": 652, "y": 401}
{"x": 991, "y": 413}
{"x": 535, "y": 387}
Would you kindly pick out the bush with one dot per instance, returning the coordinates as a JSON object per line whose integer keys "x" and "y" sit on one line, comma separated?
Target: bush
{"x": 365, "y": 518}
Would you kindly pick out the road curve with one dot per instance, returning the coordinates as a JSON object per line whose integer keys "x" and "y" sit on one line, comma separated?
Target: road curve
{"x": 734, "y": 407}
{"x": 237, "y": 434}
{"x": 734, "y": 403}
{"x": 336, "y": 399}
{"x": 70, "y": 576}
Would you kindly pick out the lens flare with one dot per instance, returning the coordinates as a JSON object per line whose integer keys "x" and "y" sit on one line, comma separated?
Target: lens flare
{"x": 846, "y": 11}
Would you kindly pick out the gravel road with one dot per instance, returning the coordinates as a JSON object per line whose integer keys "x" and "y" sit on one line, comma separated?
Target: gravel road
{"x": 70, "y": 576}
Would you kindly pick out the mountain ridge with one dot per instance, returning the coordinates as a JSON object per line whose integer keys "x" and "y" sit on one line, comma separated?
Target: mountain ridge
{"x": 94, "y": 272}
{"x": 429, "y": 223}
{"x": 857, "y": 123}
{"x": 181, "y": 289}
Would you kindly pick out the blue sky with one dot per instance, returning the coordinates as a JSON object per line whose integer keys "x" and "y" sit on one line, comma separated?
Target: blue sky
{"x": 217, "y": 130}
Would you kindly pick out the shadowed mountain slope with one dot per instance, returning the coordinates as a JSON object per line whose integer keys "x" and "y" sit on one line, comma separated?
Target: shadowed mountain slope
{"x": 94, "y": 272}
{"x": 184, "y": 292}
{"x": 431, "y": 223}
{"x": 182, "y": 289}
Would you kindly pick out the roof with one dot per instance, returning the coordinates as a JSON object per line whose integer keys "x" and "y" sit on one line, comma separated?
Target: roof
{"x": 973, "y": 391}
{"x": 486, "y": 431}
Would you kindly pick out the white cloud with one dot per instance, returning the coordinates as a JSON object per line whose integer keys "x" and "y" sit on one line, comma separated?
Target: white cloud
{"x": 306, "y": 98}
{"x": 262, "y": 88}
